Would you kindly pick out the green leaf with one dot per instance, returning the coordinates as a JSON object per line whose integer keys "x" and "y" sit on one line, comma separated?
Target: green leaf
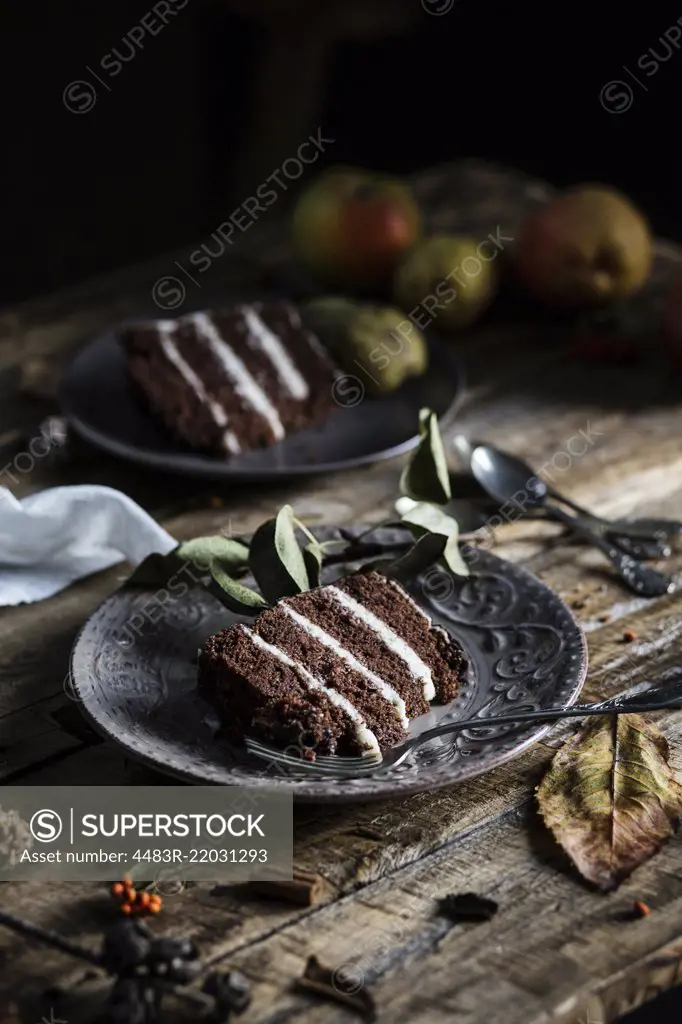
{"x": 431, "y": 518}
{"x": 304, "y": 529}
{"x": 421, "y": 517}
{"x": 426, "y": 477}
{"x": 312, "y": 556}
{"x": 610, "y": 797}
{"x": 423, "y": 553}
{"x": 235, "y": 595}
{"x": 203, "y": 551}
{"x": 333, "y": 547}
{"x": 276, "y": 559}
{"x": 404, "y": 505}
{"x": 155, "y": 570}
{"x": 452, "y": 557}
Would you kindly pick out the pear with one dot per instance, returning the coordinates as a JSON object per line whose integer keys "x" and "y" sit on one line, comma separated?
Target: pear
{"x": 587, "y": 248}
{"x": 445, "y": 280}
{"x": 375, "y": 343}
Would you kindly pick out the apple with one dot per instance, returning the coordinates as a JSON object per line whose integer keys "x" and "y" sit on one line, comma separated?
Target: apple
{"x": 586, "y": 248}
{"x": 351, "y": 228}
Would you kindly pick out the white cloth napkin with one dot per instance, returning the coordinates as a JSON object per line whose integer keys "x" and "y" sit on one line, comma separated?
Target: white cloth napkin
{"x": 52, "y": 538}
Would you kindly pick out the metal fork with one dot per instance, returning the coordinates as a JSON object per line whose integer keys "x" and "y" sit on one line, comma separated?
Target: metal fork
{"x": 654, "y": 699}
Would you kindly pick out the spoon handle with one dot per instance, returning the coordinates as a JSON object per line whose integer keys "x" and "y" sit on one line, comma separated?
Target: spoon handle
{"x": 640, "y": 527}
{"x": 665, "y": 529}
{"x": 641, "y": 579}
{"x": 641, "y": 548}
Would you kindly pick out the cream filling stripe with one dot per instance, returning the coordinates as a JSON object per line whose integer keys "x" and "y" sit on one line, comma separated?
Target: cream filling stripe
{"x": 386, "y": 691}
{"x": 391, "y": 640}
{"x": 270, "y": 344}
{"x": 172, "y": 354}
{"x": 244, "y": 383}
{"x": 363, "y": 734}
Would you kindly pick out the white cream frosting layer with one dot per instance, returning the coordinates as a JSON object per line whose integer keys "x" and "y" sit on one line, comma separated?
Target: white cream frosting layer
{"x": 245, "y": 384}
{"x": 272, "y": 347}
{"x": 317, "y": 633}
{"x": 396, "y": 644}
{"x": 172, "y": 353}
{"x": 363, "y": 734}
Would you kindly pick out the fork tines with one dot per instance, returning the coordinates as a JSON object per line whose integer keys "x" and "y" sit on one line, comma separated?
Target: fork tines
{"x": 327, "y": 765}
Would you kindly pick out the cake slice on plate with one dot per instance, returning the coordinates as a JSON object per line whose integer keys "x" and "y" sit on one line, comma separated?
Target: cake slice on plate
{"x": 231, "y": 380}
{"x": 337, "y": 670}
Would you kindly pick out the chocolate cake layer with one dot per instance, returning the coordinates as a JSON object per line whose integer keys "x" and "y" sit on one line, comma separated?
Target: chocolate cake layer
{"x": 339, "y": 624}
{"x": 340, "y": 669}
{"x": 234, "y": 379}
{"x": 304, "y": 395}
{"x": 258, "y": 693}
{"x": 379, "y": 703}
{"x": 189, "y": 412}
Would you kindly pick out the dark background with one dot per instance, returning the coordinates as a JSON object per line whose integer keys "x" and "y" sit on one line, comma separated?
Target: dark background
{"x": 148, "y": 167}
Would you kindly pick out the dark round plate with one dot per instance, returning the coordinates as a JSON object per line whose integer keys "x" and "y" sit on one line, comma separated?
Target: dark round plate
{"x": 134, "y": 671}
{"x": 102, "y": 407}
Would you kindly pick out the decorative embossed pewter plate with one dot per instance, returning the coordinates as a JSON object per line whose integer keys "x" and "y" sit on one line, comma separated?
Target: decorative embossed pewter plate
{"x": 134, "y": 670}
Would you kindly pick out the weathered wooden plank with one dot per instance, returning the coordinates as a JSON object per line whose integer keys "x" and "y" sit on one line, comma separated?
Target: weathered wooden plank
{"x": 551, "y": 942}
{"x": 31, "y": 736}
{"x": 555, "y": 949}
{"x": 345, "y": 848}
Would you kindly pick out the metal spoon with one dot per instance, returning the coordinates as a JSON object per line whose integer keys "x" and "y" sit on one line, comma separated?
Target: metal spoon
{"x": 641, "y": 538}
{"x": 506, "y": 479}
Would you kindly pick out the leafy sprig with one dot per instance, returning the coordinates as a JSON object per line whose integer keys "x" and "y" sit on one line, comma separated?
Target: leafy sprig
{"x": 283, "y": 565}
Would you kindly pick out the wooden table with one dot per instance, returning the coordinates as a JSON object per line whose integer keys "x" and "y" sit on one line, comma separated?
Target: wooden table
{"x": 556, "y": 951}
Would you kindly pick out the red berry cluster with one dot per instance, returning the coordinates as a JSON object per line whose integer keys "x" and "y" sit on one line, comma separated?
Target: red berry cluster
{"x": 132, "y": 902}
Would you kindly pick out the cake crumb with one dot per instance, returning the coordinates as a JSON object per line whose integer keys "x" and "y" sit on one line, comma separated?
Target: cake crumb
{"x": 628, "y": 636}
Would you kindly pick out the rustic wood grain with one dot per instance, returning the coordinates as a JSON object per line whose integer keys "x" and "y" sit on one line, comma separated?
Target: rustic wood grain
{"x": 556, "y": 951}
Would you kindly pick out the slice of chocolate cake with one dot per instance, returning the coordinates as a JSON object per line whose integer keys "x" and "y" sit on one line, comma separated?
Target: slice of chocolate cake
{"x": 234, "y": 379}
{"x": 338, "y": 670}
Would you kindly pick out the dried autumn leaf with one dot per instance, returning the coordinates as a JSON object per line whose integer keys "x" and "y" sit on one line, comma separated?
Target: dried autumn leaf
{"x": 610, "y": 797}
